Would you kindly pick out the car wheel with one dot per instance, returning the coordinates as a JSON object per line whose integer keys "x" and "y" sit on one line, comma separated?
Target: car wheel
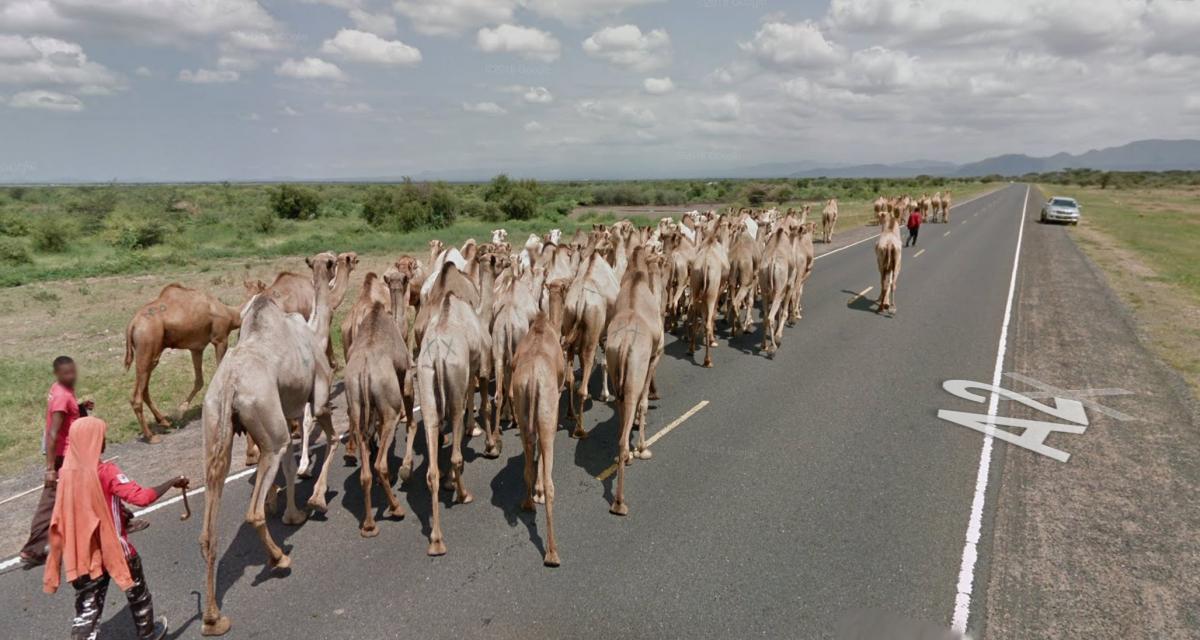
{"x": 1043, "y": 220}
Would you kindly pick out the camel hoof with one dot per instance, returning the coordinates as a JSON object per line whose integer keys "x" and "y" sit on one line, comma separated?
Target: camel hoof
{"x": 492, "y": 452}
{"x": 397, "y": 513}
{"x": 317, "y": 505}
{"x": 655, "y": 396}
{"x": 466, "y": 498}
{"x": 643, "y": 454}
{"x": 305, "y": 474}
{"x": 551, "y": 559}
{"x": 579, "y": 434}
{"x": 619, "y": 509}
{"x": 283, "y": 563}
{"x": 153, "y": 439}
{"x": 445, "y": 439}
{"x": 476, "y": 431}
{"x": 608, "y": 397}
{"x": 405, "y": 472}
{"x": 707, "y": 364}
{"x": 539, "y": 498}
{"x": 295, "y": 519}
{"x": 218, "y": 628}
{"x": 369, "y": 531}
{"x": 437, "y": 548}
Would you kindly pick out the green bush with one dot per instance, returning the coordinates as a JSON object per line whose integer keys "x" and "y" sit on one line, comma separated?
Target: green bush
{"x": 94, "y": 207}
{"x": 17, "y": 194}
{"x": 13, "y": 225}
{"x": 14, "y": 252}
{"x": 521, "y": 202}
{"x": 379, "y": 207}
{"x": 264, "y": 222}
{"x": 293, "y": 202}
{"x": 52, "y": 235}
{"x": 127, "y": 231}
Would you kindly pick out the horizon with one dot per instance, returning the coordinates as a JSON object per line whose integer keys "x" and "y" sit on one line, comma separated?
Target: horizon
{"x": 372, "y": 90}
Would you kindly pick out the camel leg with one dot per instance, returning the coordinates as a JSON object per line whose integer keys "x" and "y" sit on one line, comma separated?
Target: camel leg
{"x": 410, "y": 429}
{"x": 307, "y": 426}
{"x": 159, "y": 417}
{"x": 268, "y": 466}
{"x": 605, "y": 394}
{"x": 643, "y": 408}
{"x": 546, "y": 450}
{"x": 252, "y": 451}
{"x": 387, "y": 432}
{"x": 437, "y": 545}
{"x": 145, "y": 364}
{"x": 765, "y": 305}
{"x": 709, "y": 334}
{"x": 325, "y": 420}
{"x": 484, "y": 407}
{"x": 527, "y": 445}
{"x": 494, "y": 444}
{"x": 628, "y": 409}
{"x": 216, "y": 469}
{"x": 456, "y": 457}
{"x": 198, "y": 383}
{"x": 587, "y": 362}
{"x": 367, "y": 528}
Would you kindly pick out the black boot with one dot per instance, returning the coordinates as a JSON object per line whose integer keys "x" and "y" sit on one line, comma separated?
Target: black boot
{"x": 141, "y": 606}
{"x": 89, "y": 606}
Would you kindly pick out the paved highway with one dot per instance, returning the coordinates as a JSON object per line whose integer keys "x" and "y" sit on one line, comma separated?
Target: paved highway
{"x": 808, "y": 489}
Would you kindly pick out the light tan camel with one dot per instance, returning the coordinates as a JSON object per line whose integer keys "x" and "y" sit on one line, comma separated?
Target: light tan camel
{"x": 743, "y": 278}
{"x": 775, "y": 282}
{"x": 804, "y": 256}
{"x": 935, "y": 205}
{"x": 634, "y": 343}
{"x": 276, "y": 370}
{"x": 179, "y": 318}
{"x": 924, "y": 204}
{"x": 887, "y": 258}
{"x": 516, "y": 308}
{"x": 376, "y": 373}
{"x": 829, "y": 217}
{"x": 680, "y": 250}
{"x": 588, "y": 306}
{"x": 539, "y": 375}
{"x": 946, "y": 206}
{"x": 706, "y": 276}
{"x": 374, "y": 291}
{"x": 455, "y": 352}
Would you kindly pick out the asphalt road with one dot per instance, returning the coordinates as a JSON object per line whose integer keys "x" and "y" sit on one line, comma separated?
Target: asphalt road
{"x": 810, "y": 488}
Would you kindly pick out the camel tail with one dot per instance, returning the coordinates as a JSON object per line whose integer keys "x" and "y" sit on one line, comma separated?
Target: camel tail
{"x": 218, "y": 435}
{"x": 364, "y": 405}
{"x": 129, "y": 345}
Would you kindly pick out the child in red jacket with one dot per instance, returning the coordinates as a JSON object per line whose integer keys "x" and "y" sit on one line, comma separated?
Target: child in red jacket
{"x": 914, "y": 227}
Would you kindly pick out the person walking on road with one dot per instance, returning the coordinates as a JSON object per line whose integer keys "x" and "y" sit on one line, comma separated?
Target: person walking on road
{"x": 914, "y": 227}
{"x": 62, "y": 410}
{"x": 88, "y": 537}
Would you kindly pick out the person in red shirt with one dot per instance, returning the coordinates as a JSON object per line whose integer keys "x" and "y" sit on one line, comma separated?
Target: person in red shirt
{"x": 62, "y": 410}
{"x": 914, "y": 227}
{"x": 89, "y": 535}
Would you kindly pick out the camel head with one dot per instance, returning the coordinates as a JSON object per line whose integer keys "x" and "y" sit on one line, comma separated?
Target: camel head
{"x": 323, "y": 266}
{"x": 347, "y": 261}
{"x": 254, "y": 287}
{"x": 499, "y": 236}
{"x": 397, "y": 281}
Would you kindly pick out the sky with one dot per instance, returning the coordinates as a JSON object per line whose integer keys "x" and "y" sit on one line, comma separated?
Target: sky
{"x": 198, "y": 90}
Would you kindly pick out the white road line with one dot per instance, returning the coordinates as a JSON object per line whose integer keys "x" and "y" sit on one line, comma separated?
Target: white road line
{"x": 604, "y": 475}
{"x": 859, "y": 295}
{"x": 918, "y": 254}
{"x": 964, "y": 202}
{"x": 970, "y": 553}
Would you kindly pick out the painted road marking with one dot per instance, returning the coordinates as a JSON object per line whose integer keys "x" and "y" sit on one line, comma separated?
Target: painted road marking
{"x": 862, "y": 293}
{"x": 970, "y": 552}
{"x": 945, "y": 234}
{"x": 1081, "y": 395}
{"x": 607, "y": 473}
{"x": 1033, "y": 432}
{"x": 918, "y": 254}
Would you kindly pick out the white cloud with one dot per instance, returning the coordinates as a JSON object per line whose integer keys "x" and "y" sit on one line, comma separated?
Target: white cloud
{"x": 451, "y": 17}
{"x": 356, "y": 108}
{"x": 208, "y": 76}
{"x": 490, "y": 108}
{"x": 621, "y": 112}
{"x": 797, "y": 45}
{"x": 627, "y": 46}
{"x": 533, "y": 126}
{"x": 538, "y": 95}
{"x": 143, "y": 72}
{"x": 878, "y": 69}
{"x": 309, "y": 69}
{"x": 658, "y": 86}
{"x": 157, "y": 21}
{"x": 527, "y": 42}
{"x": 362, "y": 46}
{"x": 48, "y": 100}
{"x": 236, "y": 63}
{"x": 381, "y": 24}
{"x": 723, "y": 108}
{"x": 575, "y": 11}
{"x": 287, "y": 110}
{"x": 39, "y": 60}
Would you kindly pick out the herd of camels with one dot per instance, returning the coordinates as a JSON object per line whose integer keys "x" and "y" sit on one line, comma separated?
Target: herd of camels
{"x": 507, "y": 324}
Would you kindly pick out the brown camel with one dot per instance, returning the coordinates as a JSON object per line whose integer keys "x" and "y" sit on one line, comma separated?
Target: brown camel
{"x": 374, "y": 291}
{"x": 516, "y": 308}
{"x": 634, "y": 343}
{"x": 887, "y": 257}
{"x": 706, "y": 275}
{"x": 539, "y": 374}
{"x": 946, "y": 206}
{"x": 775, "y": 282}
{"x": 935, "y": 205}
{"x": 804, "y": 256}
{"x": 743, "y": 278}
{"x": 454, "y": 353}
{"x": 589, "y": 305}
{"x": 179, "y": 318}
{"x": 276, "y": 370}
{"x": 375, "y": 397}
{"x": 829, "y": 218}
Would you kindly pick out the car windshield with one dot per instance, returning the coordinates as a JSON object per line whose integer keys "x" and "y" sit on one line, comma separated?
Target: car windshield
{"x": 1063, "y": 202}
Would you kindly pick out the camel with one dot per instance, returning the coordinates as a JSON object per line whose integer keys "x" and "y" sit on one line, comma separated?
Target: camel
{"x": 743, "y": 276}
{"x": 946, "y": 206}
{"x": 588, "y": 306}
{"x": 179, "y": 318}
{"x": 706, "y": 275}
{"x": 375, "y": 397}
{"x": 276, "y": 370}
{"x": 454, "y": 354}
{"x": 680, "y": 249}
{"x": 829, "y": 218}
{"x": 374, "y": 291}
{"x": 516, "y": 309}
{"x": 887, "y": 257}
{"x": 935, "y": 205}
{"x": 804, "y": 256}
{"x": 924, "y": 203}
{"x": 634, "y": 343}
{"x": 539, "y": 375}
{"x": 775, "y": 282}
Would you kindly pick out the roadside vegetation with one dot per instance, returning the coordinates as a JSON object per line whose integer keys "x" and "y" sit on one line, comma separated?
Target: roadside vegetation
{"x": 75, "y": 261}
{"x": 1147, "y": 241}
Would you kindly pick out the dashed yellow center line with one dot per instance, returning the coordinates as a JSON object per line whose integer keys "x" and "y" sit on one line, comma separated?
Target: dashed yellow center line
{"x": 918, "y": 254}
{"x": 607, "y": 473}
{"x": 858, "y": 295}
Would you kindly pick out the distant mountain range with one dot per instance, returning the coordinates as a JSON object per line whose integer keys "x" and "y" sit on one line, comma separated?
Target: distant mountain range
{"x": 1143, "y": 155}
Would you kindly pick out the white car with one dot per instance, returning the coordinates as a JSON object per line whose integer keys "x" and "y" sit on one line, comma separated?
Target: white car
{"x": 1060, "y": 209}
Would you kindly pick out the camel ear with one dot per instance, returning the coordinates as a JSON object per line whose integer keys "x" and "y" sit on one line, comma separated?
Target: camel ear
{"x": 309, "y": 262}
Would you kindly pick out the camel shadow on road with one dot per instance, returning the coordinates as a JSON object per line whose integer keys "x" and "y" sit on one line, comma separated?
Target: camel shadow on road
{"x": 861, "y": 303}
